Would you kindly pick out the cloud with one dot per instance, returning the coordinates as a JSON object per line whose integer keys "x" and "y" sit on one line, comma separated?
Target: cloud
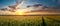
{"x": 42, "y": 8}
{"x": 6, "y": 13}
{"x": 37, "y": 7}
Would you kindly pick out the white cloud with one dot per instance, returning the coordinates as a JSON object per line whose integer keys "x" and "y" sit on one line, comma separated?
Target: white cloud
{"x": 6, "y": 13}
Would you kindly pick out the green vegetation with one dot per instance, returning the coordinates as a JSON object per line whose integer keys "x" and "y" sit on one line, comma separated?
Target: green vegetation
{"x": 29, "y": 20}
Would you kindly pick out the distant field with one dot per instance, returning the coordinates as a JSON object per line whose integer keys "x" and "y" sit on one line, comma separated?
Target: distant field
{"x": 30, "y": 20}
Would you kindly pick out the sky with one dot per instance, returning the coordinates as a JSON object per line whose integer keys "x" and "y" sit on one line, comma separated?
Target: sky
{"x": 4, "y": 3}
{"x": 48, "y": 3}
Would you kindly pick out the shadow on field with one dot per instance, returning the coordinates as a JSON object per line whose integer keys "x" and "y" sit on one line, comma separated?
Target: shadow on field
{"x": 43, "y": 21}
{"x": 54, "y": 20}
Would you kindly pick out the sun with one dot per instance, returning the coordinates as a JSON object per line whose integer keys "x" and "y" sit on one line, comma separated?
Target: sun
{"x": 20, "y": 13}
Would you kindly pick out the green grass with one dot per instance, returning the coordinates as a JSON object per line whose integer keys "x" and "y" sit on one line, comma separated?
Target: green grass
{"x": 29, "y": 21}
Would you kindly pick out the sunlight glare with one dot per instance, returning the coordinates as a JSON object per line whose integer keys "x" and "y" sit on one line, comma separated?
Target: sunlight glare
{"x": 20, "y": 12}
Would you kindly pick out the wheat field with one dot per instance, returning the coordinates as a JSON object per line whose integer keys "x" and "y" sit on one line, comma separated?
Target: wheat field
{"x": 36, "y": 20}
